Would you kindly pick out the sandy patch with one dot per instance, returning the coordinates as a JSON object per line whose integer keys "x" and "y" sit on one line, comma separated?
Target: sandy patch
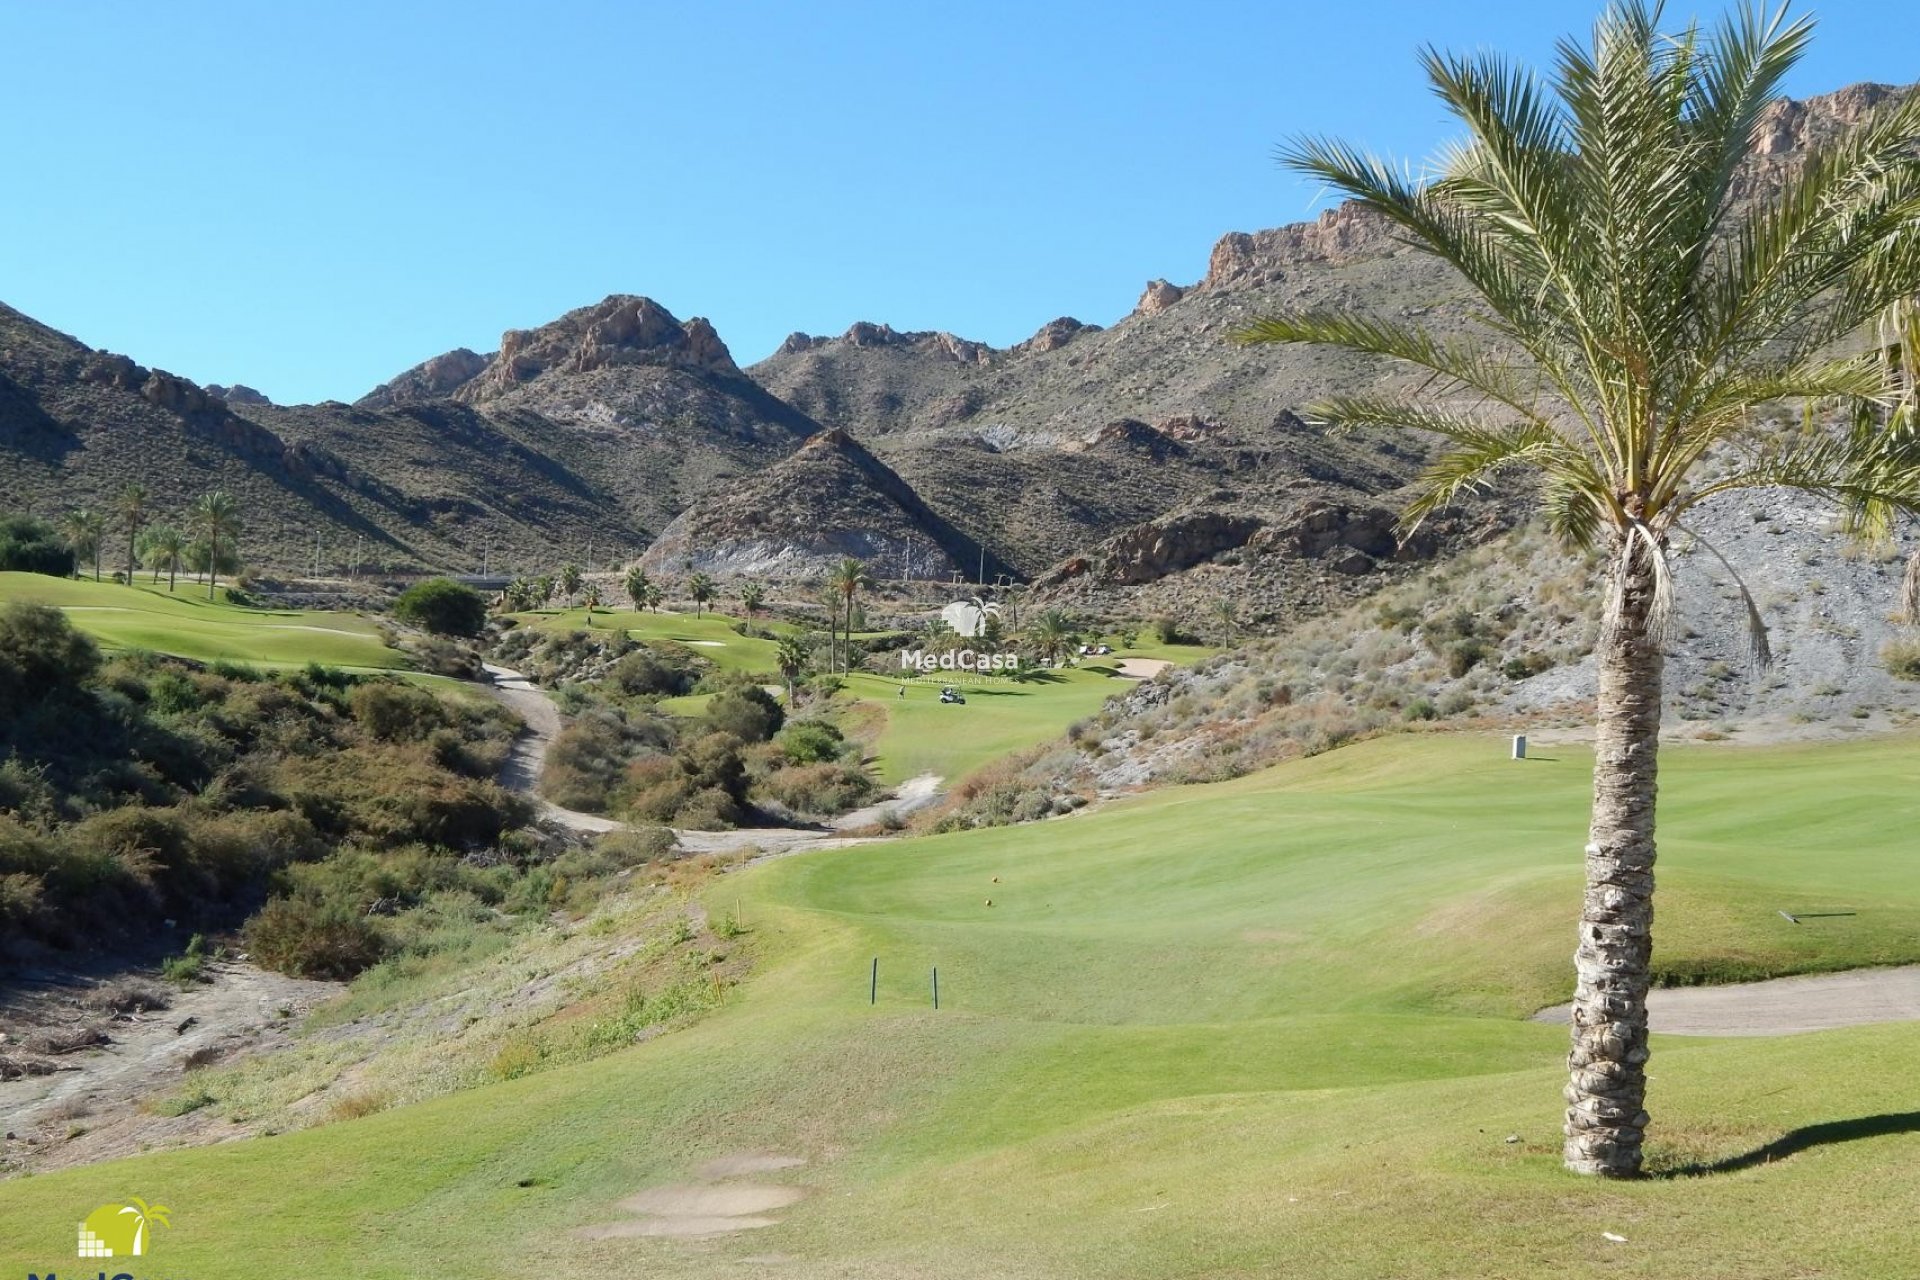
{"x": 711, "y": 1200}
{"x": 674, "y": 1228}
{"x": 746, "y": 1162}
{"x": 1142, "y": 668}
{"x": 711, "y": 1207}
{"x": 1781, "y": 1007}
{"x": 707, "y": 644}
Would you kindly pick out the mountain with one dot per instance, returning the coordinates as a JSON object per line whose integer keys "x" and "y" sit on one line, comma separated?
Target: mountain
{"x": 591, "y": 431}
{"x": 1067, "y": 458}
{"x": 830, "y": 498}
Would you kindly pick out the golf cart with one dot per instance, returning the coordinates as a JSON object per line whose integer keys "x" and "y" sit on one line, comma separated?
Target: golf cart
{"x": 950, "y": 694}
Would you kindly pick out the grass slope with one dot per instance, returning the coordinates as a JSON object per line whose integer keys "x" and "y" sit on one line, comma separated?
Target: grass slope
{"x": 1270, "y": 1027}
{"x": 186, "y": 623}
{"x": 923, "y": 735}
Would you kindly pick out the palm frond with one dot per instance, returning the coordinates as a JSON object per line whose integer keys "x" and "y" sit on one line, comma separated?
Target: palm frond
{"x": 1759, "y": 651}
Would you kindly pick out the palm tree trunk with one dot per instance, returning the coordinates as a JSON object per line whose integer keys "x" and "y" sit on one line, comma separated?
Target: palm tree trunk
{"x": 1607, "y": 1089}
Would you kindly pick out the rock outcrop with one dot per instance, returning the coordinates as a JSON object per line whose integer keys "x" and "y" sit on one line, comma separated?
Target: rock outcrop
{"x": 434, "y": 379}
{"x": 831, "y": 498}
{"x": 237, "y": 394}
{"x": 621, "y": 330}
{"x": 1052, "y": 336}
{"x": 1158, "y": 297}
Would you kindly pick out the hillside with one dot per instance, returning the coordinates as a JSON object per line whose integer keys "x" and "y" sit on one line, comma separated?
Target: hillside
{"x": 587, "y": 437}
{"x": 828, "y": 499}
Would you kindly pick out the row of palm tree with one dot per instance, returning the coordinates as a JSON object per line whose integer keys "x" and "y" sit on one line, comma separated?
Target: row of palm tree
{"x": 214, "y": 520}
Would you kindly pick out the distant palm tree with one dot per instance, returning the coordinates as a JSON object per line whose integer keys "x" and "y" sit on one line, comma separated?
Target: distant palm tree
{"x": 846, "y": 580}
{"x": 593, "y": 600}
{"x": 1640, "y": 309}
{"x": 1052, "y": 634}
{"x": 84, "y": 530}
{"x": 164, "y": 545}
{"x": 1228, "y": 617}
{"x": 215, "y": 517}
{"x": 637, "y": 584}
{"x": 701, "y": 588}
{"x": 569, "y": 581}
{"x": 133, "y": 513}
{"x": 791, "y": 656}
{"x": 752, "y": 596}
{"x": 654, "y": 593}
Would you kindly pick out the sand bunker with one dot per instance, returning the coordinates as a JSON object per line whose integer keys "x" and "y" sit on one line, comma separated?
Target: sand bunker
{"x": 746, "y": 1162}
{"x": 711, "y": 1207}
{"x": 1782, "y": 1006}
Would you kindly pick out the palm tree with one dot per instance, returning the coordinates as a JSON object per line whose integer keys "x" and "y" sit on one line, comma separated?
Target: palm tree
{"x": 84, "y": 529}
{"x": 845, "y": 580}
{"x": 636, "y": 584}
{"x": 593, "y": 600}
{"x": 214, "y": 517}
{"x": 752, "y": 596}
{"x": 1636, "y": 314}
{"x": 654, "y": 594}
{"x": 569, "y": 581}
{"x": 701, "y": 588}
{"x": 1228, "y": 617}
{"x": 165, "y": 544}
{"x": 1051, "y": 634}
{"x": 133, "y": 513}
{"x": 791, "y": 656}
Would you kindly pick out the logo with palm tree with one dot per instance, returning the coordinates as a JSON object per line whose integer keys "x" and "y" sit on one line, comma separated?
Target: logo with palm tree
{"x": 121, "y": 1230}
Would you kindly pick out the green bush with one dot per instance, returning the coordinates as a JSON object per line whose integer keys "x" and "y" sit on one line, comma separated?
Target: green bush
{"x": 1902, "y": 656}
{"x": 749, "y": 714}
{"x": 648, "y": 673}
{"x": 41, "y": 654}
{"x": 811, "y": 742}
{"x": 824, "y": 788}
{"x": 1464, "y": 655}
{"x": 314, "y": 940}
{"x": 33, "y": 546}
{"x": 396, "y": 712}
{"x": 188, "y": 966}
{"x": 442, "y": 606}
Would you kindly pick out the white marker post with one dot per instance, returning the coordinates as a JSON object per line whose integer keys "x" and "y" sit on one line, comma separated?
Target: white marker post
{"x": 1519, "y": 746}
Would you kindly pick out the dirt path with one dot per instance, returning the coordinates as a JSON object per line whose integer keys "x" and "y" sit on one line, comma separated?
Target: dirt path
{"x": 1142, "y": 668}
{"x": 529, "y": 757}
{"x": 90, "y": 1107}
{"x": 1781, "y": 1007}
{"x": 522, "y": 774}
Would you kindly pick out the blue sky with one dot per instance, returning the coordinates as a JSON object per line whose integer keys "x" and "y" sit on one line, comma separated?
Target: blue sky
{"x": 309, "y": 198}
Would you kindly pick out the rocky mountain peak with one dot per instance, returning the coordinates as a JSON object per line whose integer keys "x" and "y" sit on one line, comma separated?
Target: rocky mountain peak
{"x": 622, "y": 330}
{"x": 237, "y": 394}
{"x": 434, "y": 379}
{"x": 1053, "y": 335}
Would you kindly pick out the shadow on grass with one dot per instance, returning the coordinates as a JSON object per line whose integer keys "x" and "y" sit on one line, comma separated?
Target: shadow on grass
{"x": 1798, "y": 1140}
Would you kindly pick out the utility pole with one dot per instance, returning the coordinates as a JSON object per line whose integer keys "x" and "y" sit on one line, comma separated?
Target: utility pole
{"x": 316, "y": 553}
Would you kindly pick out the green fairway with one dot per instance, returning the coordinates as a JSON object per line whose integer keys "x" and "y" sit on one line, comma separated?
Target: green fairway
{"x": 710, "y": 635}
{"x": 1272, "y": 1027}
{"x": 186, "y": 623}
{"x": 924, "y": 735}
